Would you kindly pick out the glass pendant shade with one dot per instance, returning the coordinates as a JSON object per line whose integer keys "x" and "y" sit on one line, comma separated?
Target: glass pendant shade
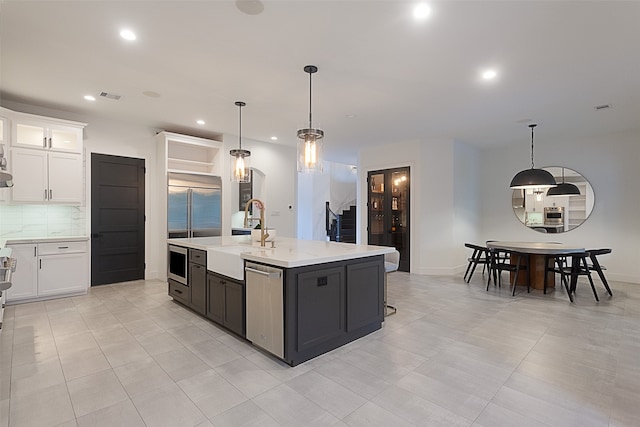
{"x": 310, "y": 139}
{"x": 532, "y": 178}
{"x": 240, "y": 162}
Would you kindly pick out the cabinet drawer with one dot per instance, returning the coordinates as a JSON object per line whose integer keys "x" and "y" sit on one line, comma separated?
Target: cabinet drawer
{"x": 61, "y": 248}
{"x": 198, "y": 257}
{"x": 179, "y": 292}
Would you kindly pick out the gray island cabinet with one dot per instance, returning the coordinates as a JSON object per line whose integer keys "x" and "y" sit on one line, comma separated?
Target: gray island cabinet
{"x": 330, "y": 293}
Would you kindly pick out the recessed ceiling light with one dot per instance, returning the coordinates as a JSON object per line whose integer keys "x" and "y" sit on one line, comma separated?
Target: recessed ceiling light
{"x": 350, "y": 116}
{"x": 200, "y": 122}
{"x": 274, "y": 138}
{"x": 127, "y": 34}
{"x": 421, "y": 11}
{"x": 151, "y": 94}
{"x": 489, "y": 74}
{"x": 90, "y": 97}
{"x": 250, "y": 7}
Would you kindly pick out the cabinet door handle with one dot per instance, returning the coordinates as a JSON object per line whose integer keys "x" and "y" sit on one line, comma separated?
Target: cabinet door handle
{"x": 44, "y": 142}
{"x": 46, "y": 194}
{"x": 50, "y": 194}
{"x": 177, "y": 291}
{"x": 35, "y": 249}
{"x": 63, "y": 247}
{"x": 40, "y": 264}
{"x": 49, "y": 142}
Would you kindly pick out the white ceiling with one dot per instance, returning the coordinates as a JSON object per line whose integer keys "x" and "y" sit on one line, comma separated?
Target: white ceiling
{"x": 401, "y": 79}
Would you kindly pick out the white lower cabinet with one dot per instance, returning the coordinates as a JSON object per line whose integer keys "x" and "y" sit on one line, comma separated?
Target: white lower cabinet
{"x": 49, "y": 269}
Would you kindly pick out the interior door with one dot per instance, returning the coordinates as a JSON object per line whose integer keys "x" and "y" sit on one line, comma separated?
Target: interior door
{"x": 388, "y": 211}
{"x": 117, "y": 219}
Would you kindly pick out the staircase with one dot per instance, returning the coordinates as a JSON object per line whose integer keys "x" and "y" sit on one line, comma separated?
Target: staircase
{"x": 343, "y": 227}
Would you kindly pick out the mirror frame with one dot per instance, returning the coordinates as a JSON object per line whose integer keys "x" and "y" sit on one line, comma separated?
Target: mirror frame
{"x": 582, "y": 205}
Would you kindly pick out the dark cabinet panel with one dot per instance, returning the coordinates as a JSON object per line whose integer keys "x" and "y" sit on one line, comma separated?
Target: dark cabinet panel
{"x": 234, "y": 302}
{"x": 197, "y": 256}
{"x": 226, "y": 302}
{"x": 198, "y": 285}
{"x": 215, "y": 298}
{"x": 320, "y": 306}
{"x": 364, "y": 295}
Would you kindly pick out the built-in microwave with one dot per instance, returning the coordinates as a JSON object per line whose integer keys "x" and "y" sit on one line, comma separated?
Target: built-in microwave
{"x": 178, "y": 264}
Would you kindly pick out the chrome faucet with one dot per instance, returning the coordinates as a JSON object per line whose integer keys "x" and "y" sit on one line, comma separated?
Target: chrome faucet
{"x": 264, "y": 235}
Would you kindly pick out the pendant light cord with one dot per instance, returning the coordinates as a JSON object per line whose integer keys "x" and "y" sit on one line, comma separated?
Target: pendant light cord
{"x": 532, "y": 126}
{"x": 310, "y": 74}
{"x": 240, "y": 127}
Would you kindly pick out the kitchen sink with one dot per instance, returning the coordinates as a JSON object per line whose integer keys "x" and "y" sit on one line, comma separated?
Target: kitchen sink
{"x": 226, "y": 260}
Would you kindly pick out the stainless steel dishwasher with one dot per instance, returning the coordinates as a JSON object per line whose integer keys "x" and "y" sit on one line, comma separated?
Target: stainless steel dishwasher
{"x": 265, "y": 307}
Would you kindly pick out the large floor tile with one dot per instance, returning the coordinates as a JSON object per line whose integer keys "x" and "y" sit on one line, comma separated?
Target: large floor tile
{"x": 248, "y": 377}
{"x": 53, "y": 407}
{"x": 83, "y": 362}
{"x": 372, "y": 415}
{"x": 247, "y": 414}
{"x": 181, "y": 363}
{"x": 142, "y": 377}
{"x": 95, "y": 392}
{"x": 211, "y": 393}
{"x": 288, "y": 407}
{"x": 121, "y": 414}
{"x": 167, "y": 406}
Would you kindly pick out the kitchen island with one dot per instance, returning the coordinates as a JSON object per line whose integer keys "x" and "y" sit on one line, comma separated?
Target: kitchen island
{"x": 298, "y": 299}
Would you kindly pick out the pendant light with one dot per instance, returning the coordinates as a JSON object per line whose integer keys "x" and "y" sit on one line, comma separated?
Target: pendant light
{"x": 533, "y": 178}
{"x": 310, "y": 139}
{"x": 240, "y": 164}
{"x": 564, "y": 189}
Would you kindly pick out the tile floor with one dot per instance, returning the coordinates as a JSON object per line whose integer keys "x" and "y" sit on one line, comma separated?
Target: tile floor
{"x": 453, "y": 355}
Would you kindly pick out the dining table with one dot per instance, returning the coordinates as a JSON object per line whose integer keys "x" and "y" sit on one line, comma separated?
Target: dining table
{"x": 541, "y": 256}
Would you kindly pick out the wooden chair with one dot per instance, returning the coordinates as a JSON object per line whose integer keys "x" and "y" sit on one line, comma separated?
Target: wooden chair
{"x": 579, "y": 267}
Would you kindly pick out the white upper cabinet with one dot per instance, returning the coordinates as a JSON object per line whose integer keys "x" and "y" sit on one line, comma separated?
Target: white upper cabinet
{"x": 46, "y": 134}
{"x": 46, "y": 177}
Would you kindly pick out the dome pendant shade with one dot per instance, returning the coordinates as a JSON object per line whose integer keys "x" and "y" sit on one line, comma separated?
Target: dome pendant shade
{"x": 310, "y": 139}
{"x": 532, "y": 178}
{"x": 564, "y": 189}
{"x": 240, "y": 163}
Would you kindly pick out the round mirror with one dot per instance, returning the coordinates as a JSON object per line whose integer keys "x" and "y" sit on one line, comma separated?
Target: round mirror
{"x": 558, "y": 209}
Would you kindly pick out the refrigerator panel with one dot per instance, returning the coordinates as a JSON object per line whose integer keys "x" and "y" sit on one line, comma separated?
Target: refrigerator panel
{"x": 206, "y": 212}
{"x": 177, "y": 212}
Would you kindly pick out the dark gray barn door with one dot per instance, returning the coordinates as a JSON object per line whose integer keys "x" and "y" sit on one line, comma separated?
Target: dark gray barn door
{"x": 117, "y": 219}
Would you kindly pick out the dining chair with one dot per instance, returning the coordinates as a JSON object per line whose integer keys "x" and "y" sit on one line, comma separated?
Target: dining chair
{"x": 595, "y": 265}
{"x": 578, "y": 267}
{"x": 511, "y": 261}
{"x": 555, "y": 264}
{"x": 480, "y": 255}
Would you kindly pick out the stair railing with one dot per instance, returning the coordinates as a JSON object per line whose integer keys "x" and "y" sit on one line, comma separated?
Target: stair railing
{"x": 329, "y": 216}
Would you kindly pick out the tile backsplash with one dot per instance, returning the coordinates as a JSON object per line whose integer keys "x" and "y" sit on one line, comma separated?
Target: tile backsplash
{"x": 22, "y": 221}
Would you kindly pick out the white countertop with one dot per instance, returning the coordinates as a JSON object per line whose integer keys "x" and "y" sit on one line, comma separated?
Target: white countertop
{"x": 51, "y": 239}
{"x": 287, "y": 253}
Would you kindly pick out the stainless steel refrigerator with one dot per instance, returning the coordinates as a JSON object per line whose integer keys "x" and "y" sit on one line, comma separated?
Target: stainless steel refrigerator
{"x": 194, "y": 205}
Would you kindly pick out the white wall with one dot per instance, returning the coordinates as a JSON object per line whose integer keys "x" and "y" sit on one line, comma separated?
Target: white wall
{"x": 609, "y": 163}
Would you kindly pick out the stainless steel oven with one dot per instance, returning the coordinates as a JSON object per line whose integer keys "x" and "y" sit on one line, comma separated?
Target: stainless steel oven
{"x": 178, "y": 264}
{"x": 554, "y": 215}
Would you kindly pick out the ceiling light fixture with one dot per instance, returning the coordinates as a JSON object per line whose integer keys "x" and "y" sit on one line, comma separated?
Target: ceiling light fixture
{"x": 533, "y": 178}
{"x": 421, "y": 11}
{"x": 310, "y": 139}
{"x": 563, "y": 189}
{"x": 90, "y": 97}
{"x": 239, "y": 166}
{"x": 200, "y": 122}
{"x": 274, "y": 138}
{"x": 128, "y": 35}
{"x": 489, "y": 74}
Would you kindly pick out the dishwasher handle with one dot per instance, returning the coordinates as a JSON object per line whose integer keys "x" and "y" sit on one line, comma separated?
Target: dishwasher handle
{"x": 270, "y": 274}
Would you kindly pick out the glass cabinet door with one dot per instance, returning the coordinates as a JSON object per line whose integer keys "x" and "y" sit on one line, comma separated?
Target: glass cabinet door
{"x": 29, "y": 136}
{"x": 388, "y": 211}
